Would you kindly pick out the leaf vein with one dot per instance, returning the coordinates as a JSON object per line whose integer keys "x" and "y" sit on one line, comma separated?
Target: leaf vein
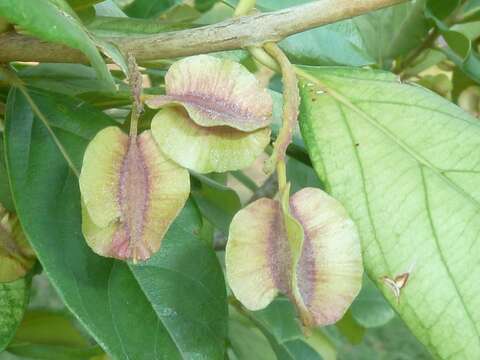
{"x": 441, "y": 254}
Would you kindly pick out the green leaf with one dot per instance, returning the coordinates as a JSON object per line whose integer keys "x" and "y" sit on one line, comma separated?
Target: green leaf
{"x": 52, "y": 21}
{"x": 49, "y": 328}
{"x": 109, "y": 8}
{"x": 148, "y": 8}
{"x": 441, "y": 10}
{"x": 119, "y": 26}
{"x": 301, "y": 176}
{"x": 50, "y": 336}
{"x": 472, "y": 5}
{"x": 69, "y": 79}
{"x": 374, "y": 38}
{"x": 471, "y": 30}
{"x": 140, "y": 311}
{"x": 462, "y": 53}
{"x": 350, "y": 328}
{"x": 425, "y": 60}
{"x": 82, "y": 4}
{"x": 204, "y": 5}
{"x": 333, "y": 44}
{"x": 51, "y": 352}
{"x": 5, "y": 193}
{"x": 13, "y": 300}
{"x": 390, "y": 342}
{"x": 278, "y": 323}
{"x": 471, "y": 10}
{"x": 370, "y": 308}
{"x": 460, "y": 49}
{"x": 217, "y": 202}
{"x": 246, "y": 340}
{"x": 404, "y": 162}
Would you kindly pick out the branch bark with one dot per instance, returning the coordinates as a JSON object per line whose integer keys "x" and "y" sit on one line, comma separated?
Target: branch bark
{"x": 241, "y": 32}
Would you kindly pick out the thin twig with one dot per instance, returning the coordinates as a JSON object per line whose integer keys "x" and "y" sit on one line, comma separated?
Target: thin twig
{"x": 227, "y": 35}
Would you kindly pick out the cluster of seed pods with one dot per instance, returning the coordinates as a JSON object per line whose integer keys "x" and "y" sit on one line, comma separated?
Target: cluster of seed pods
{"x": 215, "y": 117}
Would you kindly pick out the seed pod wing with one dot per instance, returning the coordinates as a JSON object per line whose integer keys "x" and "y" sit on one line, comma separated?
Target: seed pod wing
{"x": 217, "y": 92}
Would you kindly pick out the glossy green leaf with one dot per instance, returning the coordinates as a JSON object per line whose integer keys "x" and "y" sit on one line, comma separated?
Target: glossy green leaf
{"x": 425, "y": 60}
{"x": 278, "y": 323}
{"x": 119, "y": 26}
{"x": 51, "y": 340}
{"x": 459, "y": 47}
{"x": 370, "y": 309}
{"x": 394, "y": 31}
{"x": 390, "y": 342}
{"x": 246, "y": 340}
{"x": 148, "y": 8}
{"x": 404, "y": 162}
{"x": 217, "y": 202}
{"x": 51, "y": 21}
{"x": 350, "y": 328}
{"x": 13, "y": 300}
{"x": 471, "y": 10}
{"x": 204, "y": 5}
{"x": 50, "y": 336}
{"x": 301, "y": 176}
{"x": 274, "y": 333}
{"x": 109, "y": 8}
{"x": 69, "y": 79}
{"x": 48, "y": 328}
{"x": 82, "y": 4}
{"x": 139, "y": 311}
{"x": 440, "y": 10}
{"x": 52, "y": 352}
{"x": 472, "y": 5}
{"x": 112, "y": 21}
{"x": 374, "y": 38}
{"x": 5, "y": 193}
{"x": 471, "y": 30}
{"x": 460, "y": 50}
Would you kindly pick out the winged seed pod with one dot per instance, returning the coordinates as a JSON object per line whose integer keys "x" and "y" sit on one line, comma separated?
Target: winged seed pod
{"x": 131, "y": 193}
{"x": 469, "y": 100}
{"x": 306, "y": 248}
{"x": 215, "y": 115}
{"x": 16, "y": 255}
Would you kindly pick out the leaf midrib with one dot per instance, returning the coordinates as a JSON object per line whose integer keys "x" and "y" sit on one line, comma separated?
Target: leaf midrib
{"x": 365, "y": 192}
{"x": 370, "y": 218}
{"x": 385, "y": 131}
{"x": 423, "y": 163}
{"x": 442, "y": 256}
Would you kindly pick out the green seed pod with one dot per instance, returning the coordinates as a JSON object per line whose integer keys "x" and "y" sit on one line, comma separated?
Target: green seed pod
{"x": 306, "y": 248}
{"x": 215, "y": 117}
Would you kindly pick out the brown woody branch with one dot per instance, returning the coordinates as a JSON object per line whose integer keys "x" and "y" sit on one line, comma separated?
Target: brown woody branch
{"x": 231, "y": 34}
